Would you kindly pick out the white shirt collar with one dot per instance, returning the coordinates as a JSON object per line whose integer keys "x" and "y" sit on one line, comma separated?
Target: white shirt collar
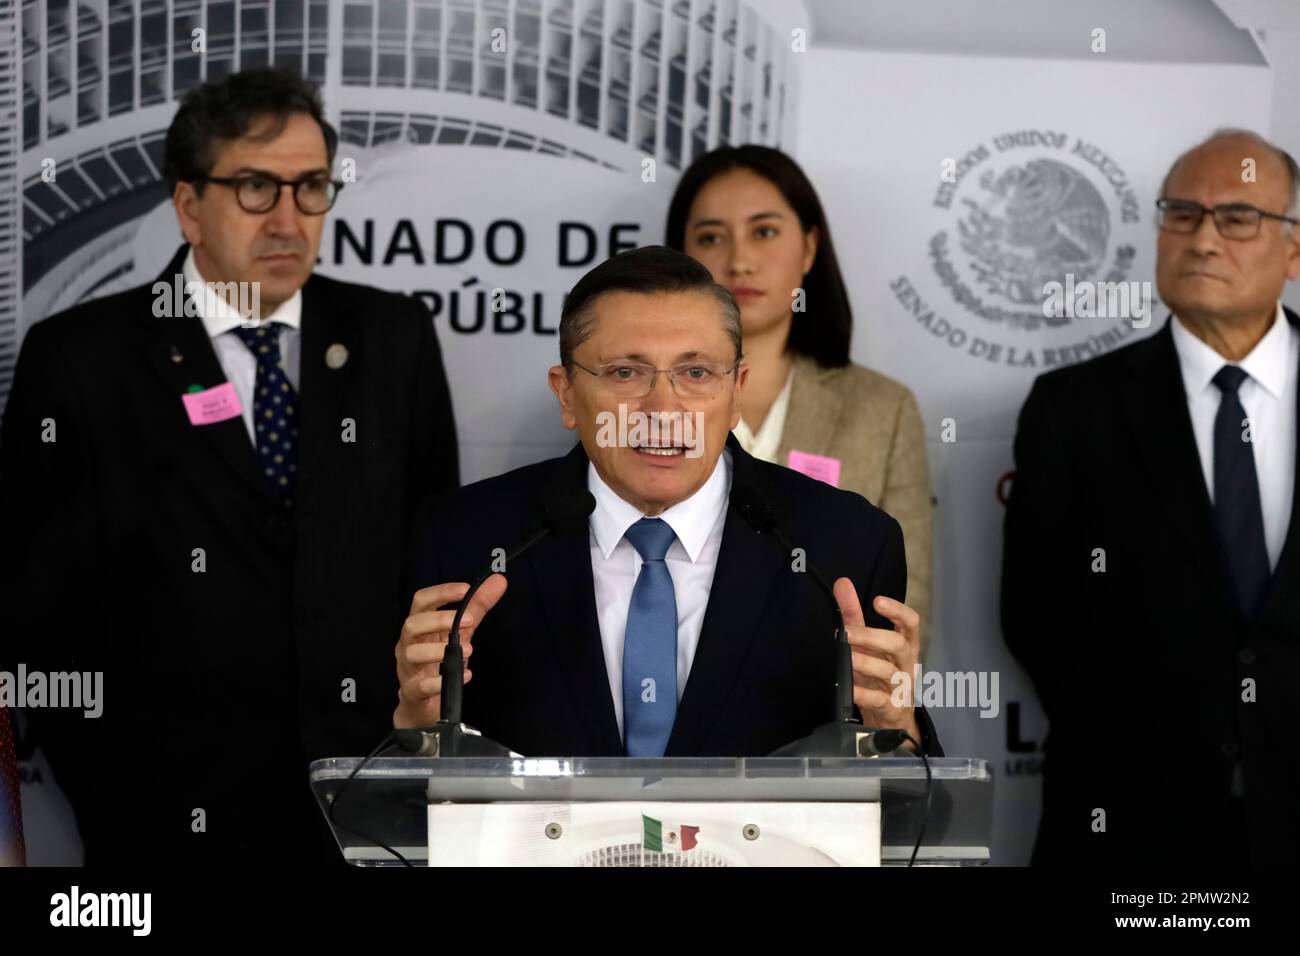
{"x": 1267, "y": 362}
{"x": 691, "y": 520}
{"x": 219, "y": 317}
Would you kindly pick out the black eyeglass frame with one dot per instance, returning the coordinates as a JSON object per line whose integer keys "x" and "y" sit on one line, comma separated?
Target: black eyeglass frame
{"x": 235, "y": 182}
{"x": 1164, "y": 203}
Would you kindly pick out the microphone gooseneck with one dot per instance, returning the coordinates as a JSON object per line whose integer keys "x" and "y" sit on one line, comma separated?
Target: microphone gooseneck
{"x": 761, "y": 516}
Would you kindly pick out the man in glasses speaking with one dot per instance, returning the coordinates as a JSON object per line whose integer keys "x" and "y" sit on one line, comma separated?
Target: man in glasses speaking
{"x": 207, "y": 482}
{"x": 673, "y": 621}
{"x": 1151, "y": 576}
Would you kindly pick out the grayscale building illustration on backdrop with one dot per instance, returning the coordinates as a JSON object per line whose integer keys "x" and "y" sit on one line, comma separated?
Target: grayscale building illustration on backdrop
{"x": 601, "y": 81}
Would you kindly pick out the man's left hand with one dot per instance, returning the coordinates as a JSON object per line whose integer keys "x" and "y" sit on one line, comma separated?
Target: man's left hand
{"x": 878, "y": 656}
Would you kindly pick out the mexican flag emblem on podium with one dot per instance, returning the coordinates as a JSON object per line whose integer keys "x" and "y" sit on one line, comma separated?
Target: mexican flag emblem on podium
{"x": 666, "y": 837}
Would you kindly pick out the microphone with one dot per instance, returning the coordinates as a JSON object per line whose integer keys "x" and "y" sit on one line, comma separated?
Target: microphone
{"x": 561, "y": 512}
{"x": 844, "y": 736}
{"x": 570, "y": 511}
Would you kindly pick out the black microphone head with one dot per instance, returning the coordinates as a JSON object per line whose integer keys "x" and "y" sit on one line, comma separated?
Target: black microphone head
{"x": 886, "y": 741}
{"x": 569, "y": 511}
{"x": 753, "y": 507}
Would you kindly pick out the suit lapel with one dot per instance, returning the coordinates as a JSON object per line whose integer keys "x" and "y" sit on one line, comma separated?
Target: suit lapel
{"x": 181, "y": 353}
{"x": 322, "y": 390}
{"x": 809, "y": 423}
{"x": 1281, "y": 592}
{"x": 561, "y": 567}
{"x": 1167, "y": 449}
{"x": 746, "y": 573}
{"x": 327, "y": 324}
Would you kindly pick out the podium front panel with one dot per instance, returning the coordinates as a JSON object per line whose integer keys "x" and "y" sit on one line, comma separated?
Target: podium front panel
{"x": 388, "y": 801}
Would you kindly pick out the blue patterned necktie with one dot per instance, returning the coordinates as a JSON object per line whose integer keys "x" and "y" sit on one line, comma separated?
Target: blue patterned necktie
{"x": 275, "y": 411}
{"x": 650, "y": 645}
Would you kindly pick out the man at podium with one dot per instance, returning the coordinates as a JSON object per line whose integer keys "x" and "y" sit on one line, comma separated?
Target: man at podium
{"x": 672, "y": 621}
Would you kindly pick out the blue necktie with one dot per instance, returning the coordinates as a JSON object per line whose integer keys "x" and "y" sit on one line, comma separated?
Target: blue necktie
{"x": 1237, "y": 509}
{"x": 275, "y": 411}
{"x": 650, "y": 645}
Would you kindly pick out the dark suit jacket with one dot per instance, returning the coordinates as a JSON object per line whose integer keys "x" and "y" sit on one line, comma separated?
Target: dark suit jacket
{"x": 1141, "y": 668}
{"x": 220, "y": 685}
{"x": 763, "y": 672}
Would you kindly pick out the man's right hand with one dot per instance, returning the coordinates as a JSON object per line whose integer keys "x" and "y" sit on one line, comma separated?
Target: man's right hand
{"x": 424, "y": 638}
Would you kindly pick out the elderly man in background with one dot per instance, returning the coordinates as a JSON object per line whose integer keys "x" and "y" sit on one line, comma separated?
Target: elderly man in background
{"x": 1151, "y": 576}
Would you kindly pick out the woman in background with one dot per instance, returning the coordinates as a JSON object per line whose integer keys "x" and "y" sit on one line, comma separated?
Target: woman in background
{"x": 751, "y": 216}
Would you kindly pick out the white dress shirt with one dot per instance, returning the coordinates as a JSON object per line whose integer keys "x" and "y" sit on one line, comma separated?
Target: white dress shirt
{"x": 1268, "y": 395}
{"x": 764, "y": 443}
{"x": 691, "y": 560}
{"x": 220, "y": 320}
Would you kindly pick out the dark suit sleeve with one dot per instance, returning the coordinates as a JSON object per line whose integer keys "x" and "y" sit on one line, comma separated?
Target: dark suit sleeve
{"x": 1039, "y": 545}
{"x": 434, "y": 459}
{"x": 435, "y": 455}
{"x": 889, "y": 577}
{"x": 420, "y": 567}
{"x": 48, "y": 568}
{"x": 432, "y": 558}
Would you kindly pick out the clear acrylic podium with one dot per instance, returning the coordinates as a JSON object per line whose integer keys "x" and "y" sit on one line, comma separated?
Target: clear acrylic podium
{"x": 679, "y": 811}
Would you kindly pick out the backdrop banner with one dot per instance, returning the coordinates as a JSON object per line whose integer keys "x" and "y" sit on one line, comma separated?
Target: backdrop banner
{"x": 486, "y": 181}
{"x": 956, "y": 195}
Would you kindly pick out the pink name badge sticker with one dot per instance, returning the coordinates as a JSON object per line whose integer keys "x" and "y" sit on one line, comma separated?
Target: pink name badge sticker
{"x": 212, "y": 405}
{"x": 816, "y": 466}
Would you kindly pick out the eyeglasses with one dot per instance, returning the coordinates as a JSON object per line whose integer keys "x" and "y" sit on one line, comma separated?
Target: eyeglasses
{"x": 1233, "y": 220}
{"x": 258, "y": 192}
{"x": 637, "y": 380}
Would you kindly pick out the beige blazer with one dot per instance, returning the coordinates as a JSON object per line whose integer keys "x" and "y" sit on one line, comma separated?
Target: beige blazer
{"x": 872, "y": 424}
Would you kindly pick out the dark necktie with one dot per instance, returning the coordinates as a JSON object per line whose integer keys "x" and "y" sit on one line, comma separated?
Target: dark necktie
{"x": 1237, "y": 509}
{"x": 275, "y": 411}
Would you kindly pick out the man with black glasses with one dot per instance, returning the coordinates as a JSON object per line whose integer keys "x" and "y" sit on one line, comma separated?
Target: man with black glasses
{"x": 207, "y": 482}
{"x": 1151, "y": 577}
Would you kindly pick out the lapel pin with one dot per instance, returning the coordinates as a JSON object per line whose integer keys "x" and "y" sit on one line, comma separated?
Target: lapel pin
{"x": 177, "y": 357}
{"x": 336, "y": 356}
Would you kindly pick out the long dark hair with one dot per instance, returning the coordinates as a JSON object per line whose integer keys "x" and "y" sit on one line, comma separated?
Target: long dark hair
{"x": 823, "y": 332}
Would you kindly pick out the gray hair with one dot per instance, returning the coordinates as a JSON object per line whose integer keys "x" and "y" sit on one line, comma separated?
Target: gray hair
{"x": 1292, "y": 169}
